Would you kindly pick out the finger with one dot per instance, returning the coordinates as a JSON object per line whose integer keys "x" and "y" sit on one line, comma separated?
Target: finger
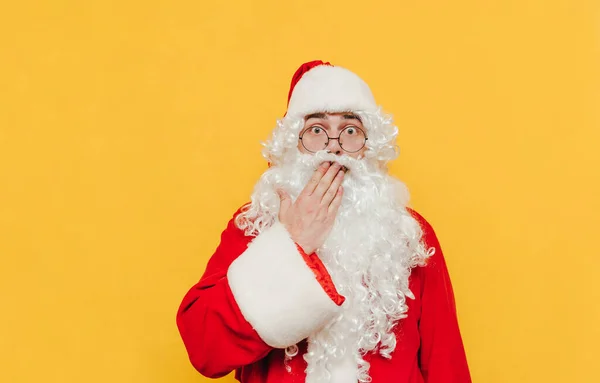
{"x": 333, "y": 188}
{"x": 314, "y": 181}
{"x": 285, "y": 202}
{"x": 326, "y": 181}
{"x": 337, "y": 202}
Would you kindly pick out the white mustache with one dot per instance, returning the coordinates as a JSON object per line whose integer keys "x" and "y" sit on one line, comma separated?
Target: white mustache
{"x": 353, "y": 166}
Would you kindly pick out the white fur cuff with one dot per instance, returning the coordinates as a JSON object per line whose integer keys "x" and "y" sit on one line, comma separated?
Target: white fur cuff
{"x": 277, "y": 292}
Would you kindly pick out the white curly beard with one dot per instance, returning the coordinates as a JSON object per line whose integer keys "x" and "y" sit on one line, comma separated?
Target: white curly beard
{"x": 369, "y": 254}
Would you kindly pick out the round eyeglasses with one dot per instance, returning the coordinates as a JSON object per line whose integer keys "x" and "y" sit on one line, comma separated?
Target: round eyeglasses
{"x": 351, "y": 139}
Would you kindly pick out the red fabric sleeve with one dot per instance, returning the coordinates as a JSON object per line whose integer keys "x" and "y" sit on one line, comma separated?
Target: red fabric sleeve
{"x": 217, "y": 337}
{"x": 318, "y": 268}
{"x": 442, "y": 354}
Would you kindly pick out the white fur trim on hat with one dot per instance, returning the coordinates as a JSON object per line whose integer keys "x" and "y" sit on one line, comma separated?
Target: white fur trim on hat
{"x": 276, "y": 290}
{"x": 328, "y": 88}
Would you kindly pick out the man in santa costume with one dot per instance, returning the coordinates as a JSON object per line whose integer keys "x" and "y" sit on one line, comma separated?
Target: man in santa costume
{"x": 326, "y": 276}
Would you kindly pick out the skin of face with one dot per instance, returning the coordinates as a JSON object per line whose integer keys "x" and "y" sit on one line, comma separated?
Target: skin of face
{"x": 333, "y": 124}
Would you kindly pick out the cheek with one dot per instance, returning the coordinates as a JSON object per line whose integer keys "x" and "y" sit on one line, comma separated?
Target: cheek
{"x": 301, "y": 148}
{"x": 359, "y": 154}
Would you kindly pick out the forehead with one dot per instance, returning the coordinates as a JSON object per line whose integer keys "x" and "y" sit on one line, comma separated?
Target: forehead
{"x": 332, "y": 116}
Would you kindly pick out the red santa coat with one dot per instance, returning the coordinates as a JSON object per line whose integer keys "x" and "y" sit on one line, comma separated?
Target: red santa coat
{"x": 258, "y": 296}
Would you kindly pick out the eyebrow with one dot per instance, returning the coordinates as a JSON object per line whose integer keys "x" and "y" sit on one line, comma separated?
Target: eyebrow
{"x": 351, "y": 117}
{"x": 316, "y": 115}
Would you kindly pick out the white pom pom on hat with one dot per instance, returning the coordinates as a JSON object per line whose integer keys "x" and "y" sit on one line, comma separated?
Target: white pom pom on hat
{"x": 318, "y": 86}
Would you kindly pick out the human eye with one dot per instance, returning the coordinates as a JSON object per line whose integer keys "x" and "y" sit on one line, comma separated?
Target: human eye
{"x": 316, "y": 129}
{"x": 351, "y": 130}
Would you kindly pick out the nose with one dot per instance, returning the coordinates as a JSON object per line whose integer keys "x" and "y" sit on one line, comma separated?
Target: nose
{"x": 334, "y": 147}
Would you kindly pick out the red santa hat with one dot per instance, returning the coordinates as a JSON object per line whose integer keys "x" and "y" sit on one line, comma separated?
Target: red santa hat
{"x": 318, "y": 86}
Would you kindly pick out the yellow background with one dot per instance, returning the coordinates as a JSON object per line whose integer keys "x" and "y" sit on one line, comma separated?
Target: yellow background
{"x": 130, "y": 130}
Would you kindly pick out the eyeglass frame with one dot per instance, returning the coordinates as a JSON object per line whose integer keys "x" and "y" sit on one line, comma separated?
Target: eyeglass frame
{"x": 336, "y": 138}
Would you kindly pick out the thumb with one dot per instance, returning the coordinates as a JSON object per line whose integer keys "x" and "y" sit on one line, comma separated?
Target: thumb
{"x": 286, "y": 201}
